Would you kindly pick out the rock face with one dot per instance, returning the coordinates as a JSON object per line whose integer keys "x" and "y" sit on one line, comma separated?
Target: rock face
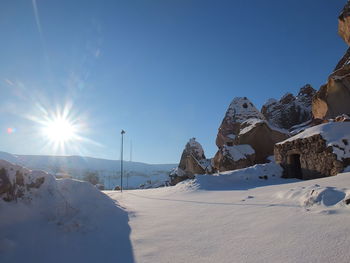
{"x": 192, "y": 162}
{"x": 261, "y": 136}
{"x": 290, "y": 110}
{"x": 234, "y": 157}
{"x": 240, "y": 110}
{"x": 333, "y": 98}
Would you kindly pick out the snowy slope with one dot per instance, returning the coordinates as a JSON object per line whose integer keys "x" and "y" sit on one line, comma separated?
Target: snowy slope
{"x": 136, "y": 173}
{"x": 239, "y": 217}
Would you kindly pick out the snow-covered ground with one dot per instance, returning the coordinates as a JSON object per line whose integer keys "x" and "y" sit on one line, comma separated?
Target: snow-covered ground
{"x": 241, "y": 219}
{"x": 248, "y": 215}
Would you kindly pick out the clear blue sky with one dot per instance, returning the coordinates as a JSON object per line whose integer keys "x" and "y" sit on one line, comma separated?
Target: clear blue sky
{"x": 162, "y": 70}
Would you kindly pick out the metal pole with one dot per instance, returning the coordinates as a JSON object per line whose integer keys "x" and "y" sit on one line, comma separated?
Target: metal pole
{"x": 121, "y": 163}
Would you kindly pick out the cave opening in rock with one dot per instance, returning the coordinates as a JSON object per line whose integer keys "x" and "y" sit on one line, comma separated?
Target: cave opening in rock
{"x": 295, "y": 166}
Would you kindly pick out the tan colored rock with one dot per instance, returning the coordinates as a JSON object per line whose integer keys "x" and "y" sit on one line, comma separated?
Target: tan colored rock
{"x": 333, "y": 99}
{"x": 344, "y": 24}
{"x": 262, "y": 137}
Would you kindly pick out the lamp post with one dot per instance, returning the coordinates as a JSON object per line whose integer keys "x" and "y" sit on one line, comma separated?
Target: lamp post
{"x": 121, "y": 162}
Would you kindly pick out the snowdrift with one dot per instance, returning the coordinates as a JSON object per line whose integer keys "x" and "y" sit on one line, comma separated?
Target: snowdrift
{"x": 241, "y": 179}
{"x": 59, "y": 221}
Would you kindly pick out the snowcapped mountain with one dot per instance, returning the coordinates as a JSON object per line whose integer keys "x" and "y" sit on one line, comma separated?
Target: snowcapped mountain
{"x": 135, "y": 173}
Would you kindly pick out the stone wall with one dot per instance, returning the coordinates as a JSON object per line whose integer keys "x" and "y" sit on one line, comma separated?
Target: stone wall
{"x": 316, "y": 159}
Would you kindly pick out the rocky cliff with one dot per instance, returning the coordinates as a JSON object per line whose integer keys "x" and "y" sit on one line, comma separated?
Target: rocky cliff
{"x": 290, "y": 110}
{"x": 333, "y": 98}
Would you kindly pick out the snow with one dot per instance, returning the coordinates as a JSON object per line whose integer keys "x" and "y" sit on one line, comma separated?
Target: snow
{"x": 242, "y": 109}
{"x": 136, "y": 173}
{"x": 238, "y": 152}
{"x": 235, "y": 218}
{"x": 248, "y": 215}
{"x": 62, "y": 221}
{"x": 254, "y": 122}
{"x": 336, "y": 134}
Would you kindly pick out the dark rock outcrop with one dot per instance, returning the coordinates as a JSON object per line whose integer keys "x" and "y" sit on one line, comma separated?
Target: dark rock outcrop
{"x": 290, "y": 110}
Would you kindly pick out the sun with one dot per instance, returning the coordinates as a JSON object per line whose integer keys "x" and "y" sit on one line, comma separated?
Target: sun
{"x": 62, "y": 130}
{"x": 59, "y": 130}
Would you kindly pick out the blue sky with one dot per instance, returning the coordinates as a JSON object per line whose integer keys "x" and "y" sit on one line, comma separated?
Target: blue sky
{"x": 162, "y": 70}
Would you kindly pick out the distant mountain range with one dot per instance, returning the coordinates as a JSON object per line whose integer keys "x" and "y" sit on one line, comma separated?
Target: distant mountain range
{"x": 135, "y": 173}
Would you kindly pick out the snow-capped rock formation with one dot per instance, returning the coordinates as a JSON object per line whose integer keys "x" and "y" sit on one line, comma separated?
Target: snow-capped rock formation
{"x": 240, "y": 110}
{"x": 192, "y": 162}
{"x": 290, "y": 110}
{"x": 243, "y": 124}
{"x": 234, "y": 157}
{"x": 333, "y": 98}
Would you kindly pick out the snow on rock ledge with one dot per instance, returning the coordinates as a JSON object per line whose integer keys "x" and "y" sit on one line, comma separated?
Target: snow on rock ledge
{"x": 234, "y": 157}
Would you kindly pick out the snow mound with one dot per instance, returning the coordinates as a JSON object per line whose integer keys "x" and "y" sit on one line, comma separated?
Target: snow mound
{"x": 316, "y": 195}
{"x": 65, "y": 215}
{"x": 336, "y": 135}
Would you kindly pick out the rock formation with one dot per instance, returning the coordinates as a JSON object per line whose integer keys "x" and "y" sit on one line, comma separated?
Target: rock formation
{"x": 192, "y": 162}
{"x": 290, "y": 110}
{"x": 261, "y": 136}
{"x": 344, "y": 23}
{"x": 243, "y": 124}
{"x": 234, "y": 157}
{"x": 333, "y": 98}
{"x": 240, "y": 110}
